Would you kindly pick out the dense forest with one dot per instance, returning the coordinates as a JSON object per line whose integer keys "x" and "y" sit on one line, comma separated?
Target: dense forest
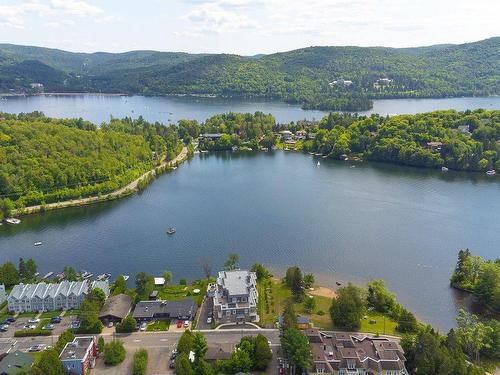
{"x": 464, "y": 140}
{"x": 47, "y": 160}
{"x": 479, "y": 276}
{"x": 329, "y": 78}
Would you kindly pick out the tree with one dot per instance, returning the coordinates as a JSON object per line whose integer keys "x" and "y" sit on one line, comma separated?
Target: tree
{"x": 100, "y": 345}
{"x": 119, "y": 286}
{"x": 89, "y": 318}
{"x": 310, "y": 304}
{"x": 183, "y": 365}
{"x": 379, "y": 297}
{"x": 186, "y": 342}
{"x": 127, "y": 325}
{"x": 206, "y": 265}
{"x": 22, "y": 269}
{"x": 289, "y": 315}
{"x": 348, "y": 308}
{"x": 262, "y": 354}
{"x": 294, "y": 281}
{"x": 407, "y": 323}
{"x": 31, "y": 269}
{"x": 296, "y": 348}
{"x": 487, "y": 288}
{"x": 49, "y": 363}
{"x": 140, "y": 364}
{"x": 261, "y": 272}
{"x": 114, "y": 353}
{"x": 9, "y": 275}
{"x": 308, "y": 280}
{"x": 96, "y": 296}
{"x": 473, "y": 334}
{"x": 199, "y": 348}
{"x": 144, "y": 284}
{"x": 64, "y": 338}
{"x": 70, "y": 273}
{"x": 167, "y": 275}
{"x": 231, "y": 262}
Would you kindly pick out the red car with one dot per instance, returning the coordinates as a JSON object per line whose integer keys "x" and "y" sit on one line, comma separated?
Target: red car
{"x": 179, "y": 324}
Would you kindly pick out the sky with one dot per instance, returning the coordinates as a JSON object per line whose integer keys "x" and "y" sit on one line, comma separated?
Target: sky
{"x": 245, "y": 27}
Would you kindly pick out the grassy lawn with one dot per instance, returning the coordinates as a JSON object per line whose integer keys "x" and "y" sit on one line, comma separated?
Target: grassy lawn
{"x": 73, "y": 312}
{"x": 174, "y": 292}
{"x": 158, "y": 325}
{"x": 273, "y": 296}
{"x": 27, "y": 315}
{"x": 42, "y": 323}
{"x": 49, "y": 314}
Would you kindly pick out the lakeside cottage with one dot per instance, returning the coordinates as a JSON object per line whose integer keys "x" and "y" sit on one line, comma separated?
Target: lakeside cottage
{"x": 346, "y": 353}
{"x": 116, "y": 309}
{"x": 184, "y": 309}
{"x": 50, "y": 297}
{"x": 235, "y": 297}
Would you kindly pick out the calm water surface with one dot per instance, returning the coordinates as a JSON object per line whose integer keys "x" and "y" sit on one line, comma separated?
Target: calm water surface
{"x": 99, "y": 108}
{"x": 342, "y": 222}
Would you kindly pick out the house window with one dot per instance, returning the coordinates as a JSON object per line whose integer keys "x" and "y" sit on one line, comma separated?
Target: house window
{"x": 244, "y": 299}
{"x": 234, "y": 312}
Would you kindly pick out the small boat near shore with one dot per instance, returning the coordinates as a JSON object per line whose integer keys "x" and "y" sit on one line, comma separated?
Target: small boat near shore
{"x": 103, "y": 277}
{"x": 126, "y": 277}
{"x": 86, "y": 274}
{"x": 491, "y": 172}
{"x": 318, "y": 164}
{"x": 444, "y": 169}
{"x": 47, "y": 275}
{"x": 12, "y": 221}
{"x": 171, "y": 231}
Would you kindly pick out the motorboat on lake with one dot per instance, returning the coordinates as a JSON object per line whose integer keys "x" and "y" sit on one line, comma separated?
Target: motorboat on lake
{"x": 104, "y": 277}
{"x": 491, "y": 172}
{"x": 38, "y": 243}
{"x": 12, "y": 220}
{"x": 171, "y": 231}
{"x": 444, "y": 169}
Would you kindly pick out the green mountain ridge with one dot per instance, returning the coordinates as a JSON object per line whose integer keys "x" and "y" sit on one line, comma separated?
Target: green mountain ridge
{"x": 297, "y": 76}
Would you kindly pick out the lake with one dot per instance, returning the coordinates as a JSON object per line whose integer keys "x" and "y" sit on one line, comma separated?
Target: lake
{"x": 170, "y": 109}
{"x": 343, "y": 222}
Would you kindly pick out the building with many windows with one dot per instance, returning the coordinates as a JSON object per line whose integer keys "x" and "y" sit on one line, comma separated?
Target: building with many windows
{"x": 235, "y": 297}
{"x": 49, "y": 297}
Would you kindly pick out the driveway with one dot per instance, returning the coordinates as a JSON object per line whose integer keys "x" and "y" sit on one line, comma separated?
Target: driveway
{"x": 207, "y": 306}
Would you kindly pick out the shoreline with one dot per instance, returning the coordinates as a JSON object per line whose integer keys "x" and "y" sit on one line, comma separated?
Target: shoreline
{"x": 124, "y": 191}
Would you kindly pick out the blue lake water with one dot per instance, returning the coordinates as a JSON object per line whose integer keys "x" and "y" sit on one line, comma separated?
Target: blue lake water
{"x": 340, "y": 221}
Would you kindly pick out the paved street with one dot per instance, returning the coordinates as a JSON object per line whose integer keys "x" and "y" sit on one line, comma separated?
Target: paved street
{"x": 158, "y": 344}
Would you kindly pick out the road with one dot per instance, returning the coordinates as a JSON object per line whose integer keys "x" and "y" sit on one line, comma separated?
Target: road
{"x": 132, "y": 186}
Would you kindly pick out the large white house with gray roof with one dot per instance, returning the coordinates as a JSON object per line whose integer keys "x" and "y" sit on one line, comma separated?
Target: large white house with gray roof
{"x": 49, "y": 297}
{"x": 235, "y": 297}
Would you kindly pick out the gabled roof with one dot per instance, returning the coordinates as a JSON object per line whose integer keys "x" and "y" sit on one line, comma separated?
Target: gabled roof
{"x": 117, "y": 306}
{"x": 15, "y": 361}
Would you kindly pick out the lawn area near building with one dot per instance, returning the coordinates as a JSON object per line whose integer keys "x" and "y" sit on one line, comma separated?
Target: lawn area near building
{"x": 273, "y": 295}
{"x": 158, "y": 325}
{"x": 49, "y": 314}
{"x": 173, "y": 292}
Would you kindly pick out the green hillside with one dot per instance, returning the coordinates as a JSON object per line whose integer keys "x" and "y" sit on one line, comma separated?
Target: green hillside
{"x": 302, "y": 76}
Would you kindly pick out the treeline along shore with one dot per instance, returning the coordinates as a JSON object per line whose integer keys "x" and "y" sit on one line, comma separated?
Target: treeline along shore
{"x": 46, "y": 161}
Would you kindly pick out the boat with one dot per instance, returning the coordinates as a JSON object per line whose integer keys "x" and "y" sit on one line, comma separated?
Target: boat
{"x": 171, "y": 230}
{"x": 126, "y": 277}
{"x": 86, "y": 274}
{"x": 491, "y": 172}
{"x": 12, "y": 220}
{"x": 318, "y": 164}
{"x": 38, "y": 243}
{"x": 338, "y": 283}
{"x": 47, "y": 275}
{"x": 444, "y": 169}
{"x": 103, "y": 277}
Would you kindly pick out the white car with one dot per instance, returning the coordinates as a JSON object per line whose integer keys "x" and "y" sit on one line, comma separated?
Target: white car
{"x": 143, "y": 326}
{"x": 209, "y": 320}
{"x": 34, "y": 321}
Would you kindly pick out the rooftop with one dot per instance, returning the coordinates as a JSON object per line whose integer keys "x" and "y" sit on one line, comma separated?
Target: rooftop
{"x": 237, "y": 282}
{"x": 77, "y": 349}
{"x": 181, "y": 308}
{"x": 117, "y": 306}
{"x": 13, "y": 362}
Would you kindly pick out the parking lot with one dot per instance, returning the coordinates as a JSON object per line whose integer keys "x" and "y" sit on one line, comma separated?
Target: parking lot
{"x": 205, "y": 310}
{"x": 21, "y": 322}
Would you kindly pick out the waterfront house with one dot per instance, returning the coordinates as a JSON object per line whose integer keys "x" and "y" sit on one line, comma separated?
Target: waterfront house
{"x": 78, "y": 356}
{"x": 434, "y": 146}
{"x": 13, "y": 362}
{"x": 184, "y": 309}
{"x": 340, "y": 82}
{"x": 346, "y": 353}
{"x": 300, "y": 134}
{"x": 235, "y": 299}
{"x": 287, "y": 135}
{"x": 159, "y": 281}
{"x": 116, "y": 309}
{"x": 3, "y": 296}
{"x": 464, "y": 129}
{"x": 303, "y": 322}
{"x": 39, "y": 297}
{"x": 210, "y": 136}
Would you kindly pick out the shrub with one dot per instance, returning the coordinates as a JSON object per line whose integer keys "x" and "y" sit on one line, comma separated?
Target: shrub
{"x": 140, "y": 362}
{"x": 127, "y": 325}
{"x": 114, "y": 353}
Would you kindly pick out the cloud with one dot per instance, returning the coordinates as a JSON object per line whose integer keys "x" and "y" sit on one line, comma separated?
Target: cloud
{"x": 57, "y": 24}
{"x": 76, "y": 7}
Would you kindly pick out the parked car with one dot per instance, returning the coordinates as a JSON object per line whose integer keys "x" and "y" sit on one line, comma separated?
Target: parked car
{"x": 143, "y": 327}
{"x": 75, "y": 324}
{"x": 29, "y": 326}
{"x": 209, "y": 320}
{"x": 4, "y": 327}
{"x": 179, "y": 324}
{"x": 56, "y": 320}
{"x": 48, "y": 327}
{"x": 36, "y": 348}
{"x": 34, "y": 321}
{"x": 174, "y": 354}
{"x": 110, "y": 325}
{"x": 186, "y": 323}
{"x": 171, "y": 363}
{"x": 11, "y": 319}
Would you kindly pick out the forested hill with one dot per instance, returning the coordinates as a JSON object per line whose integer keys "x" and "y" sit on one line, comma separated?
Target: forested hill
{"x": 303, "y": 76}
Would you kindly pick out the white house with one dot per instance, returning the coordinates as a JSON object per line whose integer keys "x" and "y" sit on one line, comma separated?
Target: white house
{"x": 49, "y": 297}
{"x": 3, "y": 296}
{"x": 235, "y": 297}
